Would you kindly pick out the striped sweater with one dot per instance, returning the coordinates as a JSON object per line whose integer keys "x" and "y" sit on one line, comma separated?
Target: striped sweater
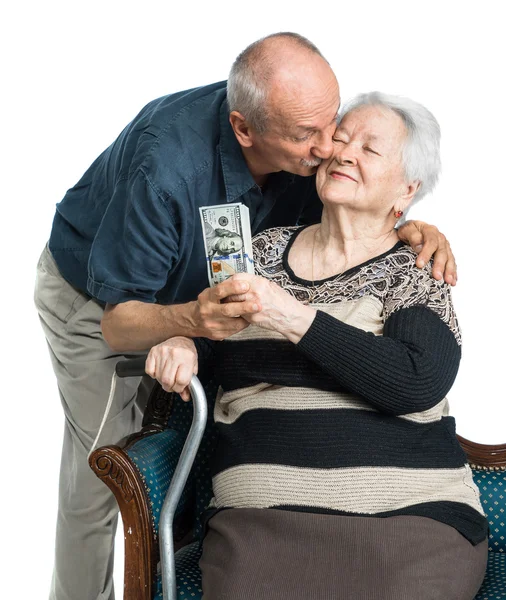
{"x": 352, "y": 420}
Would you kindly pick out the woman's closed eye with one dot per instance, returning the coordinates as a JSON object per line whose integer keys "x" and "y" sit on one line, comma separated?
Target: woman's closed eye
{"x": 369, "y": 149}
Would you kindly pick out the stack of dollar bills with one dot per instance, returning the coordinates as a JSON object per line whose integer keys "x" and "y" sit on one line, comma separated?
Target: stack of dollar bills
{"x": 227, "y": 240}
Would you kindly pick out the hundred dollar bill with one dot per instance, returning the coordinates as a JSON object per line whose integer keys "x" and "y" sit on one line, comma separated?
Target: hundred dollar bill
{"x": 227, "y": 239}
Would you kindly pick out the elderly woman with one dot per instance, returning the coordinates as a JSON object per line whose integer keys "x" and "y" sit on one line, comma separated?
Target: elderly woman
{"x": 338, "y": 472}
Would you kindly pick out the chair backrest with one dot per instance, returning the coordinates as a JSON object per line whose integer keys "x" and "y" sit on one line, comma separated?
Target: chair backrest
{"x": 157, "y": 456}
{"x": 492, "y": 486}
{"x": 488, "y": 463}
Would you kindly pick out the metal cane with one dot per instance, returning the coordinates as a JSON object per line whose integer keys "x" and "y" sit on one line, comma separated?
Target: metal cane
{"x": 135, "y": 367}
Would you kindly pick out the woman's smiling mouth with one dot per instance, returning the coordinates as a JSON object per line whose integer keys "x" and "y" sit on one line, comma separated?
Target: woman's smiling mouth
{"x": 342, "y": 176}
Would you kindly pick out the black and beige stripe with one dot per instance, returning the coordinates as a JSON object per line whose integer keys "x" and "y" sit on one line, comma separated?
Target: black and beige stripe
{"x": 359, "y": 426}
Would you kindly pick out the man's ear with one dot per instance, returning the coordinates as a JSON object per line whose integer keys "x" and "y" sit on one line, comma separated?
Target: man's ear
{"x": 406, "y": 198}
{"x": 241, "y": 129}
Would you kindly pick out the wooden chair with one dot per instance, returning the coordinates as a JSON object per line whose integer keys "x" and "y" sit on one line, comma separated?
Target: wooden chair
{"x": 138, "y": 470}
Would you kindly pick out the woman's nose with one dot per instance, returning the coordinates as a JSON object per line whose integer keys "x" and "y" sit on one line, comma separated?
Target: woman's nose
{"x": 344, "y": 154}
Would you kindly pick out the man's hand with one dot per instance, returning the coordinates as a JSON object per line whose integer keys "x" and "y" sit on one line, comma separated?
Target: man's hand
{"x": 172, "y": 363}
{"x": 215, "y": 316}
{"x": 427, "y": 240}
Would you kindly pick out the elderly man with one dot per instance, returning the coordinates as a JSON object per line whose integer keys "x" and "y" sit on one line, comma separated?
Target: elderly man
{"x": 125, "y": 267}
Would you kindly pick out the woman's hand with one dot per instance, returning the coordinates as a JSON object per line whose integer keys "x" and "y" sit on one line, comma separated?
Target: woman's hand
{"x": 172, "y": 363}
{"x": 277, "y": 309}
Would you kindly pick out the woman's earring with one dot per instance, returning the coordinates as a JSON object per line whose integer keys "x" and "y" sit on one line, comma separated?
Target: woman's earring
{"x": 398, "y": 214}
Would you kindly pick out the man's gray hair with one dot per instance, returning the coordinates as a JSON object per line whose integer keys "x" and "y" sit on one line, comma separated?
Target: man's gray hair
{"x": 250, "y": 75}
{"x": 421, "y": 154}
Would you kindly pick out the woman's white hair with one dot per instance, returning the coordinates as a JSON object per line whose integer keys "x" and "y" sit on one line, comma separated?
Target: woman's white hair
{"x": 421, "y": 154}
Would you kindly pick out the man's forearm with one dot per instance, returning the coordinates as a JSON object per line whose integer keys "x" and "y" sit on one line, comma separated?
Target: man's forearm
{"x": 135, "y": 326}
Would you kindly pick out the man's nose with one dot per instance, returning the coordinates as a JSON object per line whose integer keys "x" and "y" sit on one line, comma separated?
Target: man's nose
{"x": 323, "y": 146}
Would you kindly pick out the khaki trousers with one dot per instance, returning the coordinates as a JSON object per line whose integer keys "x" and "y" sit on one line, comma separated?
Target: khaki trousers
{"x": 83, "y": 365}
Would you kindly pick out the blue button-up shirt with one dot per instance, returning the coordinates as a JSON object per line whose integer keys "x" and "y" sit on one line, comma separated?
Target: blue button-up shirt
{"x": 130, "y": 228}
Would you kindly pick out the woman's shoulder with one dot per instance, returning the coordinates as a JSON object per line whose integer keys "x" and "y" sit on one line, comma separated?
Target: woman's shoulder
{"x": 401, "y": 262}
{"x": 410, "y": 286}
{"x": 404, "y": 277}
{"x": 396, "y": 266}
{"x": 396, "y": 280}
{"x": 402, "y": 256}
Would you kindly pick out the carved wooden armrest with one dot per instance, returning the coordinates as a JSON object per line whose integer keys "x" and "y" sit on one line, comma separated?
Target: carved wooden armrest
{"x": 113, "y": 466}
{"x": 116, "y": 469}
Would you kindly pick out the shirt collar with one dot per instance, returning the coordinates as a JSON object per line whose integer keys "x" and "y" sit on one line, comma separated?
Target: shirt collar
{"x": 237, "y": 176}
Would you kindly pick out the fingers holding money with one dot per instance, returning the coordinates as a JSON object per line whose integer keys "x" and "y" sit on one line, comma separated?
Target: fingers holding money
{"x": 238, "y": 298}
{"x": 237, "y": 290}
{"x": 216, "y": 318}
{"x": 246, "y": 285}
{"x": 230, "y": 287}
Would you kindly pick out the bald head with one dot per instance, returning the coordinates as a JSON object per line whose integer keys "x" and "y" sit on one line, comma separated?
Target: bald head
{"x": 283, "y": 99}
{"x": 279, "y": 65}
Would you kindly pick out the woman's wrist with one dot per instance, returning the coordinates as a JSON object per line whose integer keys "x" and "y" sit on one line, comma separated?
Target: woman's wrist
{"x": 299, "y": 325}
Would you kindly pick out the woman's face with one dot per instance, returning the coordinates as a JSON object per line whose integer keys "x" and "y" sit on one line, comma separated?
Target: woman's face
{"x": 365, "y": 171}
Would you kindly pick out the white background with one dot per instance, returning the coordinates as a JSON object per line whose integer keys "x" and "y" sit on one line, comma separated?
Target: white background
{"x": 73, "y": 74}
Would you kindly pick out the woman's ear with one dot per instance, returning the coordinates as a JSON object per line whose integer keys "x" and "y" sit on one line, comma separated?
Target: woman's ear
{"x": 407, "y": 196}
{"x": 241, "y": 129}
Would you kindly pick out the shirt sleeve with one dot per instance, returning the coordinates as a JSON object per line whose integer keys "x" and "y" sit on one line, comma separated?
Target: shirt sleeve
{"x": 136, "y": 244}
{"x": 206, "y": 351}
{"x": 411, "y": 367}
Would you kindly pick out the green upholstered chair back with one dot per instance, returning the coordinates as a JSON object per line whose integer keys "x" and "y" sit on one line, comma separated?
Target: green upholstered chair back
{"x": 492, "y": 486}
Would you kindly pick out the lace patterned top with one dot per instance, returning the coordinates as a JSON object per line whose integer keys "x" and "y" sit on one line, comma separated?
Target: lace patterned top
{"x": 392, "y": 278}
